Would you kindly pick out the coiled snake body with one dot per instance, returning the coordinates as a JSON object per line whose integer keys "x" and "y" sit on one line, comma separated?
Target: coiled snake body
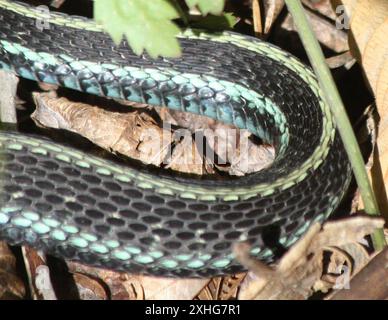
{"x": 84, "y": 208}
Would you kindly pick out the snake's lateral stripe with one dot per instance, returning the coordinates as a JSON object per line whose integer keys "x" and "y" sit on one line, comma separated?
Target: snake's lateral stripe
{"x": 102, "y": 213}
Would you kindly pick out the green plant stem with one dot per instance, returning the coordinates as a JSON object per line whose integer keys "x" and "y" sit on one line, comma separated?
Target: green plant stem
{"x": 335, "y": 103}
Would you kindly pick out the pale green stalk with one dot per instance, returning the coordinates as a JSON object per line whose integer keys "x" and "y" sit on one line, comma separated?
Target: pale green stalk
{"x": 336, "y": 105}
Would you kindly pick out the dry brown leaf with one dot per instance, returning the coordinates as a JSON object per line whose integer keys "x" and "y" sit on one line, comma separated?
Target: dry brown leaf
{"x": 11, "y": 286}
{"x": 230, "y": 286}
{"x": 367, "y": 39}
{"x": 121, "y": 285}
{"x": 375, "y": 56}
{"x": 301, "y": 267}
{"x": 326, "y": 32}
{"x": 222, "y": 288}
{"x": 344, "y": 59}
{"x": 134, "y": 134}
{"x": 322, "y": 6}
{"x": 171, "y": 289}
{"x": 211, "y": 290}
{"x": 382, "y": 87}
{"x": 135, "y": 287}
{"x": 272, "y": 9}
{"x": 349, "y": 6}
{"x": 89, "y": 288}
{"x": 342, "y": 232}
{"x": 369, "y": 135}
{"x": 366, "y": 17}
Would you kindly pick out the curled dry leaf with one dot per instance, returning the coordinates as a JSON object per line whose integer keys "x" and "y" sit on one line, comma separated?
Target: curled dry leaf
{"x": 134, "y": 134}
{"x": 296, "y": 274}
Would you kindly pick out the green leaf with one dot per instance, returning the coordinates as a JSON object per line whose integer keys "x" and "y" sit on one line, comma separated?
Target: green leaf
{"x": 207, "y": 6}
{"x": 217, "y": 23}
{"x": 147, "y": 25}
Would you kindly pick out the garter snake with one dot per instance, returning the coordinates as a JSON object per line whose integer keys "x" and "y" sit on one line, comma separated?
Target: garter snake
{"x": 96, "y": 211}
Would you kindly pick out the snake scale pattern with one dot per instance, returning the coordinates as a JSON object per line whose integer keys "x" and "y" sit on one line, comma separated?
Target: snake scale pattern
{"x": 84, "y": 208}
